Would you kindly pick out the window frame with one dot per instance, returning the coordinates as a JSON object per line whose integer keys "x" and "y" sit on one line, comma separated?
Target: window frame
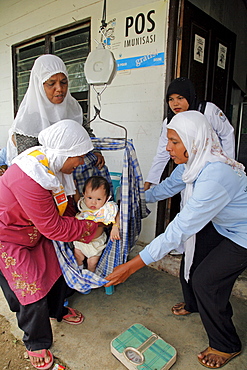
{"x": 48, "y": 38}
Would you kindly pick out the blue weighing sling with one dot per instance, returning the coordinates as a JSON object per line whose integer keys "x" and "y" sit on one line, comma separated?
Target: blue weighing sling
{"x": 132, "y": 210}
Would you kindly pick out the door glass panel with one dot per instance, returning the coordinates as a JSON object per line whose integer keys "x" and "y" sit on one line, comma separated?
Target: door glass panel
{"x": 72, "y": 46}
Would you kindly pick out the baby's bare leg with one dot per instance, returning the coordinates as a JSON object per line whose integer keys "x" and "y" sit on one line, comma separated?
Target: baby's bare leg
{"x": 79, "y": 256}
{"x": 92, "y": 263}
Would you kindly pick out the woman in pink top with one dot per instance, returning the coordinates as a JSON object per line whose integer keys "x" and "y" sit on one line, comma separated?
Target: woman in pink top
{"x": 35, "y": 196}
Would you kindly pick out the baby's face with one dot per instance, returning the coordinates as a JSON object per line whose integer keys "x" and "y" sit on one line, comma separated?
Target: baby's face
{"x": 94, "y": 199}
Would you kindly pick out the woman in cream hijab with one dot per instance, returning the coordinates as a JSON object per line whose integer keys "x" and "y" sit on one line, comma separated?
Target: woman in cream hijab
{"x": 34, "y": 208}
{"x": 215, "y": 190}
{"x": 47, "y": 100}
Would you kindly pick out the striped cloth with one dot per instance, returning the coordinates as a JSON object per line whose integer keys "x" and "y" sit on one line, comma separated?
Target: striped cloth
{"x": 80, "y": 280}
{"x": 132, "y": 210}
{"x": 88, "y": 169}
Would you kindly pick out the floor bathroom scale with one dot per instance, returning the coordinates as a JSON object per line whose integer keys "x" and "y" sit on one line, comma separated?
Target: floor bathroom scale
{"x": 138, "y": 348}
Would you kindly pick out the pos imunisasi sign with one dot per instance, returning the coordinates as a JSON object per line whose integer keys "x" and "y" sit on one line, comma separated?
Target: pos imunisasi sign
{"x": 137, "y": 36}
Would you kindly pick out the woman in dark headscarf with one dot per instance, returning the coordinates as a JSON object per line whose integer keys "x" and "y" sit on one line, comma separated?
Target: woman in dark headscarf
{"x": 180, "y": 97}
{"x": 183, "y": 87}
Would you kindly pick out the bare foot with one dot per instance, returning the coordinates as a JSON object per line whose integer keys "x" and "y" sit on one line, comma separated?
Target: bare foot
{"x": 178, "y": 309}
{"x": 210, "y": 357}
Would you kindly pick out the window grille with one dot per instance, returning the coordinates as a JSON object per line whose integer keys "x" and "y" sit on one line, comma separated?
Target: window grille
{"x": 72, "y": 45}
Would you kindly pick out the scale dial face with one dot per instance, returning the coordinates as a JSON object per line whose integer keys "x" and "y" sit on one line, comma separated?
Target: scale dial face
{"x": 134, "y": 356}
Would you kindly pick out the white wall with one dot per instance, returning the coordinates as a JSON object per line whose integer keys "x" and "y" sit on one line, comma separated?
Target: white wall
{"x": 134, "y": 99}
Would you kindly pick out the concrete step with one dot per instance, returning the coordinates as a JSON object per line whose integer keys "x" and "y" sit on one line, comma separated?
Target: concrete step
{"x": 171, "y": 265}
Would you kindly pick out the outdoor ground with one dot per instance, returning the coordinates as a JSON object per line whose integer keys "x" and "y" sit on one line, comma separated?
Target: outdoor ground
{"x": 12, "y": 351}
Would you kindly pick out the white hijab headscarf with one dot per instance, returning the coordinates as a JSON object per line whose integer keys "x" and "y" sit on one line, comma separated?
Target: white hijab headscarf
{"x": 36, "y": 112}
{"x": 64, "y": 139}
{"x": 203, "y": 146}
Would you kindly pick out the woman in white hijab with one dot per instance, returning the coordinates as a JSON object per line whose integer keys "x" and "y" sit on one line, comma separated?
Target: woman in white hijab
{"x": 47, "y": 100}
{"x": 215, "y": 190}
{"x": 34, "y": 211}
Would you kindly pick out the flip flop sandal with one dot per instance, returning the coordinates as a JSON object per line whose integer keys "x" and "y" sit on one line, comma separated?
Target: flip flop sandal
{"x": 41, "y": 355}
{"x": 73, "y": 313}
{"x": 211, "y": 351}
{"x": 178, "y": 307}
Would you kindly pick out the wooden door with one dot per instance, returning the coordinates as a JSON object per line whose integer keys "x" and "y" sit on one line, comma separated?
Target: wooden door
{"x": 207, "y": 56}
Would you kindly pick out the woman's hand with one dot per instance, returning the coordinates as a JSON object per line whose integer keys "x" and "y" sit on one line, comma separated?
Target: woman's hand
{"x": 99, "y": 230}
{"x": 3, "y": 168}
{"x": 147, "y": 185}
{"x": 122, "y": 272}
{"x": 100, "y": 160}
{"x": 77, "y": 196}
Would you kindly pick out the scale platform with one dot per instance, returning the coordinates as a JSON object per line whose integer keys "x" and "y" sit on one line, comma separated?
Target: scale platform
{"x": 138, "y": 348}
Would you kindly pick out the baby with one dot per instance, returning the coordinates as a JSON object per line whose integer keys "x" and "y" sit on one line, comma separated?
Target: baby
{"x": 95, "y": 206}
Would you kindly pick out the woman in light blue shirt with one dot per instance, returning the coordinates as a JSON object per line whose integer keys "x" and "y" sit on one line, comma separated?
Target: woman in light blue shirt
{"x": 215, "y": 190}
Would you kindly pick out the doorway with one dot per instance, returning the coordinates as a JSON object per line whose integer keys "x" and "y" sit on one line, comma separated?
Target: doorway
{"x": 207, "y": 56}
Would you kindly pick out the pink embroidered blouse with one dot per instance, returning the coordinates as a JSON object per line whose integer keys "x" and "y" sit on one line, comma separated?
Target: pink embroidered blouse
{"x": 29, "y": 221}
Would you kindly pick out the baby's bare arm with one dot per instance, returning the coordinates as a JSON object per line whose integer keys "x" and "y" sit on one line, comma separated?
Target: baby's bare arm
{"x": 115, "y": 235}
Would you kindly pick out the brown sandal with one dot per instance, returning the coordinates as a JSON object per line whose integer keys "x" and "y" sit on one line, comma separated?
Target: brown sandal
{"x": 179, "y": 310}
{"x": 210, "y": 351}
